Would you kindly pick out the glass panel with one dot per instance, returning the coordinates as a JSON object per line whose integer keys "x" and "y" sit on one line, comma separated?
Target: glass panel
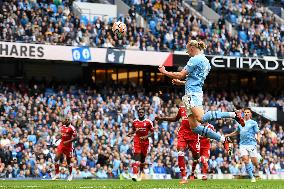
{"x": 224, "y": 80}
{"x": 160, "y": 77}
{"x": 100, "y": 76}
{"x": 111, "y": 75}
{"x": 244, "y": 82}
{"x": 152, "y": 77}
{"x": 122, "y": 76}
{"x": 133, "y": 77}
{"x": 272, "y": 81}
{"x": 234, "y": 81}
{"x": 211, "y": 81}
{"x": 140, "y": 77}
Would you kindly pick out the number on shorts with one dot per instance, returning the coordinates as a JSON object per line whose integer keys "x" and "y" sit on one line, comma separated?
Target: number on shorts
{"x": 188, "y": 99}
{"x": 197, "y": 145}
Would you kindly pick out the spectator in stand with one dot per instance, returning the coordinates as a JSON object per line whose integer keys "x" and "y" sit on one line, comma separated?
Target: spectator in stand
{"x": 159, "y": 168}
{"x": 125, "y": 174}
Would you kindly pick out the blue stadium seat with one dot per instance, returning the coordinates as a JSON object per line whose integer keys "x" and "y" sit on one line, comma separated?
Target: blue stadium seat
{"x": 152, "y": 25}
{"x": 53, "y": 7}
{"x": 243, "y": 36}
{"x": 110, "y": 19}
{"x": 95, "y": 19}
{"x": 233, "y": 18}
{"x": 84, "y": 19}
{"x": 237, "y": 54}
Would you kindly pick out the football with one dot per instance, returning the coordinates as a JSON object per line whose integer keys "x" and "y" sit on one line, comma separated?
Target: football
{"x": 119, "y": 29}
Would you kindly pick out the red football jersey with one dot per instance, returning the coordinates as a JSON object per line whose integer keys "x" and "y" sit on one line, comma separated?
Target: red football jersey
{"x": 184, "y": 127}
{"x": 204, "y": 141}
{"x": 142, "y": 128}
{"x": 67, "y": 133}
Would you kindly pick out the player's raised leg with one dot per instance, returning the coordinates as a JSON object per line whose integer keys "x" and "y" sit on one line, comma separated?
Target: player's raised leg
{"x": 195, "y": 112}
{"x": 215, "y": 115}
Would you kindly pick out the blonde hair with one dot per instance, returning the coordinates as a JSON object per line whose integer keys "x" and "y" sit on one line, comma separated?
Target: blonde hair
{"x": 198, "y": 44}
{"x": 201, "y": 45}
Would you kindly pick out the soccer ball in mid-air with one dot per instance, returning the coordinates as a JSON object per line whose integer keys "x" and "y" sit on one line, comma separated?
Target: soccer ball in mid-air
{"x": 119, "y": 29}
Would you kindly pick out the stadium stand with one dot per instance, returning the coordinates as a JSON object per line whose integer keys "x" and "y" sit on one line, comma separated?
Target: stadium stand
{"x": 255, "y": 26}
{"x": 29, "y": 116}
{"x": 168, "y": 29}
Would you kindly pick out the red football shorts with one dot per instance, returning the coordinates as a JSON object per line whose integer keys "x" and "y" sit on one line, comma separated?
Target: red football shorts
{"x": 141, "y": 147}
{"x": 185, "y": 142}
{"x": 67, "y": 151}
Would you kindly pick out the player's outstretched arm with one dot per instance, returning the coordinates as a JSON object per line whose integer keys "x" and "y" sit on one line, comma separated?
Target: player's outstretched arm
{"x": 174, "y": 75}
{"x": 71, "y": 140}
{"x": 235, "y": 133}
{"x": 130, "y": 133}
{"x": 170, "y": 119}
{"x": 178, "y": 82}
{"x": 150, "y": 134}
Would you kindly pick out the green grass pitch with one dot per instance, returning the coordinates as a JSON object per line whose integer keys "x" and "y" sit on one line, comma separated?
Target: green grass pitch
{"x": 145, "y": 184}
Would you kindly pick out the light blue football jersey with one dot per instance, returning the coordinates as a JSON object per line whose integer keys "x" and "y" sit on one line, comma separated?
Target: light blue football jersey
{"x": 197, "y": 67}
{"x": 247, "y": 133}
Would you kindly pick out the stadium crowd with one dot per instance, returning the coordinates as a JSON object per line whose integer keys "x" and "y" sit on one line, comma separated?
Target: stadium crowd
{"x": 255, "y": 26}
{"x": 30, "y": 120}
{"x": 171, "y": 25}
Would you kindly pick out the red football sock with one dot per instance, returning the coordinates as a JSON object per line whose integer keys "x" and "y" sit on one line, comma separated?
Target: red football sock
{"x": 193, "y": 167}
{"x": 204, "y": 168}
{"x": 181, "y": 164}
{"x": 135, "y": 167}
{"x": 70, "y": 169}
{"x": 57, "y": 168}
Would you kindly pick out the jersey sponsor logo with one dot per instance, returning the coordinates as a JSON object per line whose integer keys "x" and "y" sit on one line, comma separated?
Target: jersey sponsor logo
{"x": 140, "y": 129}
{"x": 65, "y": 134}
